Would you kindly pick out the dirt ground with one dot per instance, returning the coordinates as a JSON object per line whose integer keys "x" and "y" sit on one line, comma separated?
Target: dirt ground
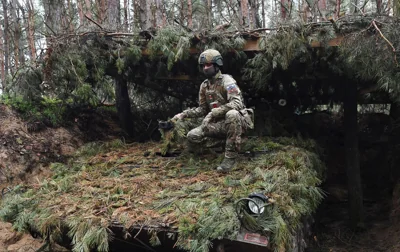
{"x": 26, "y": 152}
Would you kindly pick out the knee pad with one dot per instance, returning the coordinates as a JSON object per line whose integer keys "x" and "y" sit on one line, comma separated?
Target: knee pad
{"x": 232, "y": 115}
{"x": 195, "y": 136}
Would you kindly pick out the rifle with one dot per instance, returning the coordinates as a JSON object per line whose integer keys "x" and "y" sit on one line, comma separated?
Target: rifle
{"x": 165, "y": 125}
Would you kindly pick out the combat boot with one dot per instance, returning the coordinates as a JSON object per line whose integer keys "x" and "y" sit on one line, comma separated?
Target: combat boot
{"x": 226, "y": 165}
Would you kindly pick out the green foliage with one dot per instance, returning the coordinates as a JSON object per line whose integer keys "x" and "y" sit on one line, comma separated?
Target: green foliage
{"x": 171, "y": 43}
{"x": 201, "y": 205}
{"x": 87, "y": 236}
{"x": 376, "y": 59}
{"x": 84, "y": 95}
{"x": 20, "y": 104}
{"x": 278, "y": 52}
{"x": 44, "y": 109}
{"x": 120, "y": 65}
{"x": 133, "y": 55}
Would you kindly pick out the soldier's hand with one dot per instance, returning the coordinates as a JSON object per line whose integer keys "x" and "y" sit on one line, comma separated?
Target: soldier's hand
{"x": 179, "y": 116}
{"x": 217, "y": 112}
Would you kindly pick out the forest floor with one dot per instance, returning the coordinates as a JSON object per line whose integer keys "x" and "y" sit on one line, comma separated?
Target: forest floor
{"x": 25, "y": 156}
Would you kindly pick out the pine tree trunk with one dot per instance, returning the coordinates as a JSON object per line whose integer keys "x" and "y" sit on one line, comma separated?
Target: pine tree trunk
{"x": 53, "y": 10}
{"x": 352, "y": 155}
{"x": 101, "y": 10}
{"x": 379, "y": 6}
{"x": 209, "y": 13}
{"x": 353, "y": 4}
{"x": 190, "y": 14}
{"x": 252, "y": 14}
{"x": 145, "y": 15}
{"x": 159, "y": 17}
{"x": 182, "y": 12}
{"x": 6, "y": 42}
{"x": 113, "y": 15}
{"x": 283, "y": 9}
{"x": 245, "y": 12}
{"x": 21, "y": 41}
{"x": 263, "y": 13}
{"x": 30, "y": 27}
{"x": 88, "y": 8}
{"x": 123, "y": 105}
{"x": 2, "y": 70}
{"x": 322, "y": 9}
{"x": 126, "y": 25}
{"x": 338, "y": 5}
{"x": 80, "y": 12}
{"x": 16, "y": 32}
{"x": 396, "y": 8}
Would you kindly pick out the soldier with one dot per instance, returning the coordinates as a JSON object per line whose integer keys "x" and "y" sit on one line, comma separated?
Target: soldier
{"x": 221, "y": 111}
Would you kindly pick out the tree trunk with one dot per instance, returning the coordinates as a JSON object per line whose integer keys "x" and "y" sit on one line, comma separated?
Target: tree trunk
{"x": 379, "y": 6}
{"x": 252, "y": 14}
{"x": 338, "y": 5}
{"x": 145, "y": 15}
{"x": 263, "y": 13}
{"x": 113, "y": 15}
{"x": 284, "y": 9}
{"x": 6, "y": 42}
{"x": 352, "y": 155}
{"x": 209, "y": 13}
{"x": 21, "y": 41}
{"x": 80, "y": 12}
{"x": 126, "y": 24}
{"x": 123, "y": 105}
{"x": 16, "y": 32}
{"x": 322, "y": 10}
{"x": 30, "y": 27}
{"x": 245, "y": 12}
{"x": 101, "y": 10}
{"x": 54, "y": 14}
{"x": 190, "y": 14}
{"x": 2, "y": 71}
{"x": 88, "y": 8}
{"x": 159, "y": 18}
{"x": 396, "y": 8}
{"x": 70, "y": 17}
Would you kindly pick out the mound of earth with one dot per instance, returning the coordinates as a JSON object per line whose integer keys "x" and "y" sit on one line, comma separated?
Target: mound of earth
{"x": 27, "y": 150}
{"x": 109, "y": 185}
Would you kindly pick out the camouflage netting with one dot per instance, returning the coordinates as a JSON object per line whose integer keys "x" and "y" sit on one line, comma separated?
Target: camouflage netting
{"x": 129, "y": 184}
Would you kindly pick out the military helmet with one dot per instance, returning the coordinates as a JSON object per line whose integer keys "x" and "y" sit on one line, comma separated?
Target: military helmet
{"x": 210, "y": 56}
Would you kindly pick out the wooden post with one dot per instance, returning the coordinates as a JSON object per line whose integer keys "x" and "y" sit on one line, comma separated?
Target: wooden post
{"x": 352, "y": 155}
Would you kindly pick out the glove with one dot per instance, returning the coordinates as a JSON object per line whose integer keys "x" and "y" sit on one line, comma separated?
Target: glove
{"x": 217, "y": 112}
{"x": 179, "y": 116}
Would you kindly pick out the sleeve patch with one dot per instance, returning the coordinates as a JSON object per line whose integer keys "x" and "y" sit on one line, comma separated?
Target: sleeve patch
{"x": 232, "y": 89}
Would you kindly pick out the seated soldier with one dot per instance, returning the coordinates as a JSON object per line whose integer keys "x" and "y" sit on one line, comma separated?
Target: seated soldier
{"x": 221, "y": 112}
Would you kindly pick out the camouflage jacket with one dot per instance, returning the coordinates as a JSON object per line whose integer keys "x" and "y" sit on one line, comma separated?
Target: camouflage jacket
{"x": 224, "y": 95}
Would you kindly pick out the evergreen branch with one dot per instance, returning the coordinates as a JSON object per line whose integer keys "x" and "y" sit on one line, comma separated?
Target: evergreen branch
{"x": 73, "y": 68}
{"x": 380, "y": 33}
{"x": 391, "y": 45}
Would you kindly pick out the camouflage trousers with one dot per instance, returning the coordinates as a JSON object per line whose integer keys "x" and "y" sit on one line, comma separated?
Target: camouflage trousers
{"x": 201, "y": 132}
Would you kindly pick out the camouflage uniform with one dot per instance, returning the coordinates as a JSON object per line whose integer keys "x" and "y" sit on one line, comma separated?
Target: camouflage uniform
{"x": 225, "y": 116}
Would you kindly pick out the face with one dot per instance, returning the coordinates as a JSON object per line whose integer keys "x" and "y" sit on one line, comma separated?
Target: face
{"x": 207, "y": 66}
{"x": 209, "y": 70}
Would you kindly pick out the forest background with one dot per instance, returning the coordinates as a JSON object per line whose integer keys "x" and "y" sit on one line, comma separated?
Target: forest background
{"x": 59, "y": 58}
